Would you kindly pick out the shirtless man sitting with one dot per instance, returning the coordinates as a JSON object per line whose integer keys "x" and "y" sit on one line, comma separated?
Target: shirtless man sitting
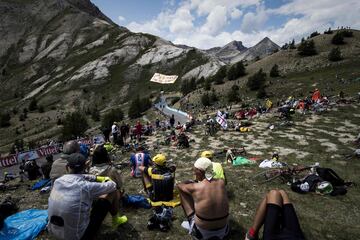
{"x": 205, "y": 203}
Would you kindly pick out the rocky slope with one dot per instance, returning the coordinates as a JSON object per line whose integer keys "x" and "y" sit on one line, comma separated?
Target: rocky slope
{"x": 50, "y": 47}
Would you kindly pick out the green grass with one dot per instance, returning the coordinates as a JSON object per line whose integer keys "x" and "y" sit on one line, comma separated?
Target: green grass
{"x": 321, "y": 217}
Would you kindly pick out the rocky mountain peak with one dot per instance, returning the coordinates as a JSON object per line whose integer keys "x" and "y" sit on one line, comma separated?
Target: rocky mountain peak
{"x": 88, "y": 7}
{"x": 234, "y": 45}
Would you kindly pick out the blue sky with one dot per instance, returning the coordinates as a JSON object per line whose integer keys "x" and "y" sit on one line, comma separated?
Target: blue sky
{"x": 210, "y": 23}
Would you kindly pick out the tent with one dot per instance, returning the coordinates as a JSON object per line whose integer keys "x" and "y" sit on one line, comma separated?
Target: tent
{"x": 163, "y": 79}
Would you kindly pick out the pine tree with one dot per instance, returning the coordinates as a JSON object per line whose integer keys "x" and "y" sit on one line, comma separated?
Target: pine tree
{"x": 185, "y": 87}
{"x": 274, "y": 72}
{"x": 135, "y": 108}
{"x": 261, "y": 93}
{"x": 205, "y": 99}
{"x": 33, "y": 104}
{"x": 236, "y": 70}
{"x": 338, "y": 39}
{"x": 5, "y": 120}
{"x": 115, "y": 115}
{"x": 75, "y": 125}
{"x": 213, "y": 97}
{"x": 233, "y": 94}
{"x": 257, "y": 80}
{"x": 292, "y": 44}
{"x": 335, "y": 55}
{"x": 207, "y": 85}
{"x": 307, "y": 48}
{"x": 218, "y": 78}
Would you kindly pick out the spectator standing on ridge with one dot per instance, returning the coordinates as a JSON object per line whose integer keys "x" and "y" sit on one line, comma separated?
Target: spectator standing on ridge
{"x": 115, "y": 132}
{"x": 124, "y": 132}
{"x": 172, "y": 121}
{"x": 138, "y": 130}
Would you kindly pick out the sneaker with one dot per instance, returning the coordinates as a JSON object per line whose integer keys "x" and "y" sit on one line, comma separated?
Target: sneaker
{"x": 152, "y": 223}
{"x": 117, "y": 221}
{"x": 249, "y": 237}
{"x": 186, "y": 225}
{"x": 164, "y": 227}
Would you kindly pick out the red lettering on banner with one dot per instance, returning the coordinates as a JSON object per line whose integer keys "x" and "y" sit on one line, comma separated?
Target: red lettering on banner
{"x": 42, "y": 152}
{"x": 9, "y": 160}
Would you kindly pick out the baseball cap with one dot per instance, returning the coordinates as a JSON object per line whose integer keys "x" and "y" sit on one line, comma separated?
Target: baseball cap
{"x": 76, "y": 160}
{"x": 205, "y": 165}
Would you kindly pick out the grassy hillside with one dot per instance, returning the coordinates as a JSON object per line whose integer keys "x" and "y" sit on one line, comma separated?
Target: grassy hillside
{"x": 325, "y": 138}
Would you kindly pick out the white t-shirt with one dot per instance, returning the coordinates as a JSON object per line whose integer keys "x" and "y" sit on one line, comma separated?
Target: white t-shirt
{"x": 114, "y": 129}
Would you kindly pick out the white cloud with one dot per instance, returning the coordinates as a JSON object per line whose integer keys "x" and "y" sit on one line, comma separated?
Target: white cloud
{"x": 204, "y": 7}
{"x": 215, "y": 21}
{"x": 121, "y": 19}
{"x": 254, "y": 21}
{"x": 181, "y": 21}
{"x": 182, "y": 25}
{"x": 235, "y": 13}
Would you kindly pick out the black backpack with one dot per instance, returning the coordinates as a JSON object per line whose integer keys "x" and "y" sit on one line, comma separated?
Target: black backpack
{"x": 329, "y": 175}
{"x": 339, "y": 185}
{"x": 7, "y": 208}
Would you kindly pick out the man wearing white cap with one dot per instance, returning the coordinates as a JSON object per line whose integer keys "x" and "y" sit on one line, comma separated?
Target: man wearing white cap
{"x": 205, "y": 203}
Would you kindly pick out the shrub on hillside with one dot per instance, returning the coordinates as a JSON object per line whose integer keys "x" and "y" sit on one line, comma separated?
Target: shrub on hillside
{"x": 314, "y": 34}
{"x": 205, "y": 99}
{"x": 218, "y": 78}
{"x": 188, "y": 86}
{"x": 347, "y": 33}
{"x": 233, "y": 94}
{"x": 207, "y": 85}
{"x": 257, "y": 80}
{"x": 22, "y": 117}
{"x": 95, "y": 114}
{"x": 261, "y": 93}
{"x": 338, "y": 39}
{"x": 114, "y": 115}
{"x": 307, "y": 48}
{"x": 41, "y": 109}
{"x": 201, "y": 80}
{"x": 18, "y": 146}
{"x": 274, "y": 72}
{"x": 74, "y": 125}
{"x": 213, "y": 96}
{"x": 5, "y": 120}
{"x": 138, "y": 106}
{"x": 175, "y": 100}
{"x": 292, "y": 44}
{"x": 285, "y": 46}
{"x": 335, "y": 55}
{"x": 329, "y": 31}
{"x": 236, "y": 70}
{"x": 33, "y": 104}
